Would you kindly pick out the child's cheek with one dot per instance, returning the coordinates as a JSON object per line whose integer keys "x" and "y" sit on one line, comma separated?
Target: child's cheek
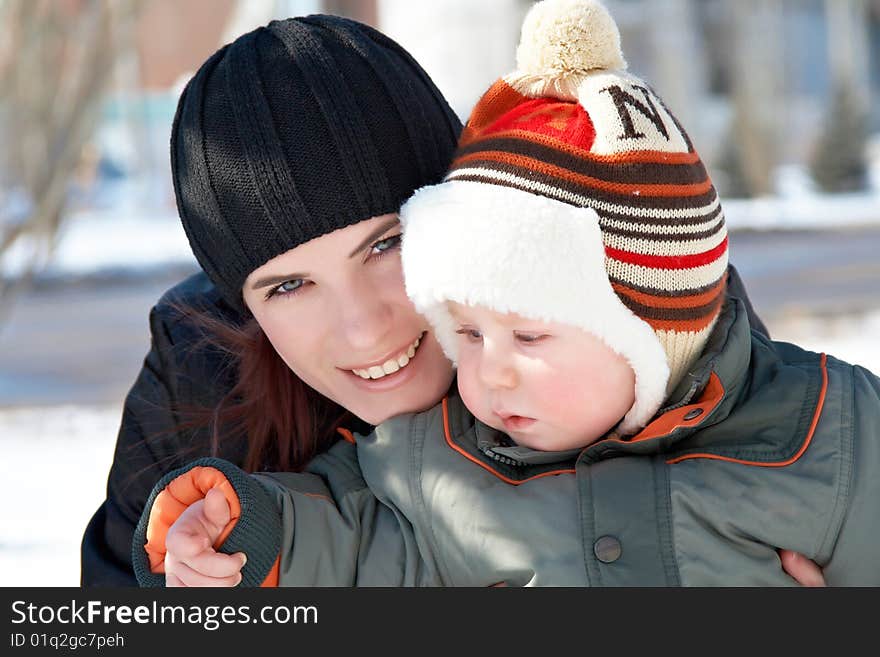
{"x": 559, "y": 396}
{"x": 470, "y": 390}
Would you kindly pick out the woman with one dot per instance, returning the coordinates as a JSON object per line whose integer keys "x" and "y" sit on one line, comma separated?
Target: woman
{"x": 292, "y": 149}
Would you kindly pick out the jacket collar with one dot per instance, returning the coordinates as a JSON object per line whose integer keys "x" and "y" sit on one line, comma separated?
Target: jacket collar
{"x": 499, "y": 446}
{"x": 727, "y": 354}
{"x": 740, "y": 382}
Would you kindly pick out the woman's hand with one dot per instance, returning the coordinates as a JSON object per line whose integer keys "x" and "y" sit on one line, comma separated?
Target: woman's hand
{"x": 190, "y": 559}
{"x": 806, "y": 572}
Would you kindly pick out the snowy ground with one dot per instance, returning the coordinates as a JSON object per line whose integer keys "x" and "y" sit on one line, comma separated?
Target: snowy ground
{"x": 56, "y": 458}
{"x": 804, "y": 212}
{"x": 52, "y": 478}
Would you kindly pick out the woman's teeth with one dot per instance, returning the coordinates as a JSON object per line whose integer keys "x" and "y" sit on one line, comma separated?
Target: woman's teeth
{"x": 391, "y": 365}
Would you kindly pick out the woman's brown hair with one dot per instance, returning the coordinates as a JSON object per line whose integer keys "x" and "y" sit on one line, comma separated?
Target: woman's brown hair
{"x": 286, "y": 423}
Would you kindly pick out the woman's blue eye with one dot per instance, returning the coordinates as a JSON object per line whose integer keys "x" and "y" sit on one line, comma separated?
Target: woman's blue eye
{"x": 287, "y": 288}
{"x": 385, "y": 245}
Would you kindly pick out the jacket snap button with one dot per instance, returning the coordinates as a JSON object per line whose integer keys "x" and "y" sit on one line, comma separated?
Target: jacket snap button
{"x": 694, "y": 412}
{"x": 607, "y": 549}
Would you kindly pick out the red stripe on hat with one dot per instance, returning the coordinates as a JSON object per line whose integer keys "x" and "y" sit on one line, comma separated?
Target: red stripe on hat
{"x": 640, "y": 157}
{"x": 668, "y": 262}
{"x": 566, "y": 120}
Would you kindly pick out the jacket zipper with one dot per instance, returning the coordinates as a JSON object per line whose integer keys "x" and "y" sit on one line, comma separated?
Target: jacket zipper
{"x": 506, "y": 460}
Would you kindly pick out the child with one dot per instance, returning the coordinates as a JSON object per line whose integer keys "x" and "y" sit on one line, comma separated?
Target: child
{"x": 617, "y": 422}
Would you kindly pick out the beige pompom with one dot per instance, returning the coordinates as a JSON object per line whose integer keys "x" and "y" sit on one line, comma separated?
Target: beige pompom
{"x": 563, "y": 38}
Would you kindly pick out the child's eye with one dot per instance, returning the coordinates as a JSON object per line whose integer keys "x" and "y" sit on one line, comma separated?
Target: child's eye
{"x": 473, "y": 335}
{"x": 287, "y": 288}
{"x": 530, "y": 338}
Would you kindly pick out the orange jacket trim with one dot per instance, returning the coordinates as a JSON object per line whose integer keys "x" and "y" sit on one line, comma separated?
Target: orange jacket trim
{"x": 347, "y": 435}
{"x": 778, "y": 464}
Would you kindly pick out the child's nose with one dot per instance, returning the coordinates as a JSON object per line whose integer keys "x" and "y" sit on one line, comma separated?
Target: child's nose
{"x": 497, "y": 372}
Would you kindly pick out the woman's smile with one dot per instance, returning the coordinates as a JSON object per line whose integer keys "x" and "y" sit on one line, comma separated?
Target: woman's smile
{"x": 386, "y": 366}
{"x": 396, "y": 370}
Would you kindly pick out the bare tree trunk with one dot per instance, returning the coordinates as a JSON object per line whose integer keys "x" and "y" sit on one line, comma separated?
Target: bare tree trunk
{"x": 848, "y": 46}
{"x": 679, "y": 71}
{"x": 838, "y": 162}
{"x": 757, "y": 97}
{"x": 53, "y": 76}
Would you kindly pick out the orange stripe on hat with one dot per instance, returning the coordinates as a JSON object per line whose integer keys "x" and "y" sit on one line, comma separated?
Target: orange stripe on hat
{"x": 682, "y": 325}
{"x": 684, "y": 301}
{"x": 497, "y": 100}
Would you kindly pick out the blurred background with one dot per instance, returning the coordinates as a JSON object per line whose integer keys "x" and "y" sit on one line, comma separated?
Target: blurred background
{"x": 780, "y": 97}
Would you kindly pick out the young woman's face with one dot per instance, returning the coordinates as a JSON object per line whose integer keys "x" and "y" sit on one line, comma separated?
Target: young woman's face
{"x": 336, "y": 311}
{"x": 549, "y": 386}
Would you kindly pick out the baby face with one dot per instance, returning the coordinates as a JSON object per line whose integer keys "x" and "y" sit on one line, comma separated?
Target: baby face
{"x": 549, "y": 386}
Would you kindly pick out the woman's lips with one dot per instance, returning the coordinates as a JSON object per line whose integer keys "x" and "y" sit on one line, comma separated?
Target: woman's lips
{"x": 517, "y": 422}
{"x": 390, "y": 381}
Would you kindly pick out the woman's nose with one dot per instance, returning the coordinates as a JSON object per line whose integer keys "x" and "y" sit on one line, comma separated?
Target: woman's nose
{"x": 366, "y": 319}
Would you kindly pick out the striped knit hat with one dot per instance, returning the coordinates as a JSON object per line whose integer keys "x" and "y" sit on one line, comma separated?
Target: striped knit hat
{"x": 575, "y": 196}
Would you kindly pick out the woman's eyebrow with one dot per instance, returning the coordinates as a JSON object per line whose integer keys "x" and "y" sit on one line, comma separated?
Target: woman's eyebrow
{"x": 372, "y": 236}
{"x": 276, "y": 280}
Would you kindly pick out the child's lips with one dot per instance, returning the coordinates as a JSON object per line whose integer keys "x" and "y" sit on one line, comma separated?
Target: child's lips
{"x": 516, "y": 422}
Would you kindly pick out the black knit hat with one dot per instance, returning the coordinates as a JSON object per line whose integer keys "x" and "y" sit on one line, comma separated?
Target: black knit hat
{"x": 297, "y": 129}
